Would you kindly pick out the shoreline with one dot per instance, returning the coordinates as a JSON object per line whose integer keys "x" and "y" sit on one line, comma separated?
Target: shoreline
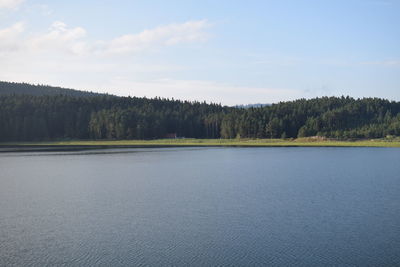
{"x": 161, "y": 143}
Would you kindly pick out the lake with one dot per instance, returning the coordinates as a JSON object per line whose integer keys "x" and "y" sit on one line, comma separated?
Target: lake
{"x": 201, "y": 206}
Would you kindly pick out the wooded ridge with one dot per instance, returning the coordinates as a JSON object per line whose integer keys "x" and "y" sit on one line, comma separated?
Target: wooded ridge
{"x": 39, "y": 112}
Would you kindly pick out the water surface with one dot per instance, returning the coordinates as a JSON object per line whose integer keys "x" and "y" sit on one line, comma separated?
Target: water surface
{"x": 201, "y": 206}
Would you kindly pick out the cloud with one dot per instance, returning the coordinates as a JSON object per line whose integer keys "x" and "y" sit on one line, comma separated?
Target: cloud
{"x": 112, "y": 78}
{"x": 11, "y": 32}
{"x": 199, "y": 90}
{"x": 61, "y": 38}
{"x": 58, "y": 38}
{"x": 172, "y": 34}
{"x": 9, "y": 38}
{"x": 10, "y": 4}
{"x": 64, "y": 55}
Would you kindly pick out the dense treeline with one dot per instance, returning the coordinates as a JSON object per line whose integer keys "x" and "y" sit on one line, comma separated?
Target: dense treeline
{"x": 10, "y": 88}
{"x": 333, "y": 117}
{"x": 24, "y": 117}
{"x": 36, "y": 115}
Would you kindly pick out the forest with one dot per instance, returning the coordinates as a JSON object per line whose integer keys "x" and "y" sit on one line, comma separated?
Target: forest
{"x": 41, "y": 112}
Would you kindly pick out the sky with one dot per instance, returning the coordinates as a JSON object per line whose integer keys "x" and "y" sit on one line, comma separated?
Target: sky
{"x": 225, "y": 51}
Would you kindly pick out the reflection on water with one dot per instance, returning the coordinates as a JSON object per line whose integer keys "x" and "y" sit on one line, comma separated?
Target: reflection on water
{"x": 54, "y": 151}
{"x": 201, "y": 206}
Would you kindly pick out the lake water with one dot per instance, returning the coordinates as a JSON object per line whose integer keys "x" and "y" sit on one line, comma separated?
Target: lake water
{"x": 201, "y": 206}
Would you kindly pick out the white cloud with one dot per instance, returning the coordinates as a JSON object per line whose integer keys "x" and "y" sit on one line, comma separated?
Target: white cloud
{"x": 61, "y": 38}
{"x": 172, "y": 34}
{"x": 112, "y": 78}
{"x": 11, "y": 32}
{"x": 199, "y": 90}
{"x": 12, "y": 4}
{"x": 65, "y": 56}
{"x": 9, "y": 38}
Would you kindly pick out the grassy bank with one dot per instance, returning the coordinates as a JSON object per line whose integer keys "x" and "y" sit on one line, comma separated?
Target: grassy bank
{"x": 301, "y": 142}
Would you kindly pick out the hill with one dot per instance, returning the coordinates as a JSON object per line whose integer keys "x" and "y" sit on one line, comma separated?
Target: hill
{"x": 40, "y": 114}
{"x": 11, "y": 88}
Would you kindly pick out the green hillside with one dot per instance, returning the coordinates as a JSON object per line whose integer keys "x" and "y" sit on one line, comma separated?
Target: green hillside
{"x": 43, "y": 113}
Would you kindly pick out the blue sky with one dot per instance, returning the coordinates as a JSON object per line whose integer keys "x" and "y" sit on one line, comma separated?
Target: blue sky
{"x": 229, "y": 52}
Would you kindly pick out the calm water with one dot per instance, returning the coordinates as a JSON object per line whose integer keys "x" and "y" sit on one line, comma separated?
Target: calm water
{"x": 201, "y": 206}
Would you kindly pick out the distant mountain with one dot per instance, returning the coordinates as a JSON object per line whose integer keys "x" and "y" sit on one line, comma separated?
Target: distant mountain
{"x": 257, "y": 105}
{"x": 11, "y": 88}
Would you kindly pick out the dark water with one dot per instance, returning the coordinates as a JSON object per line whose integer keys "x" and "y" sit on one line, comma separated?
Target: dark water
{"x": 201, "y": 206}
